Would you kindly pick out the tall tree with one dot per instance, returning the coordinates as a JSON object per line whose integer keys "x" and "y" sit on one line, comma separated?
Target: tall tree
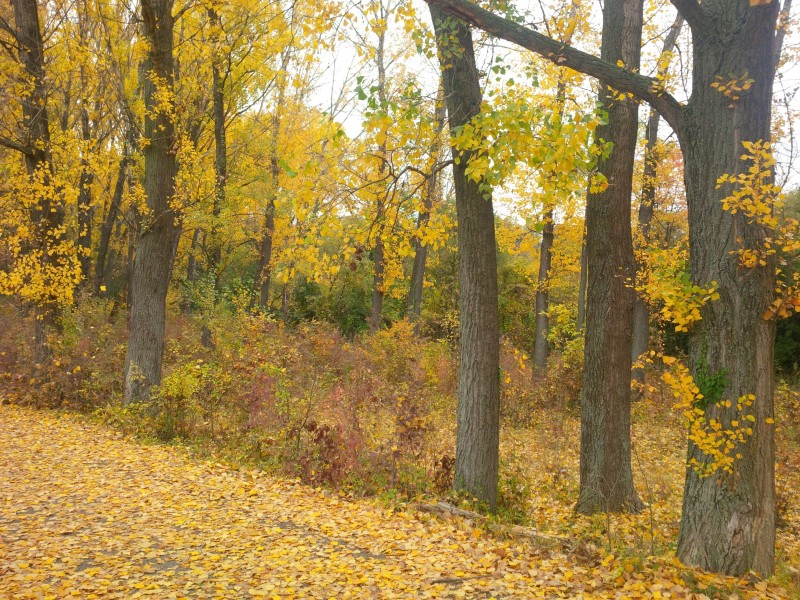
{"x": 606, "y": 473}
{"x": 478, "y": 421}
{"x": 42, "y": 192}
{"x": 728, "y": 522}
{"x": 160, "y": 230}
{"x": 647, "y": 206}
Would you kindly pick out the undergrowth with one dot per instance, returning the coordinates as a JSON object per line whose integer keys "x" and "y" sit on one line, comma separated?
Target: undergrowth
{"x": 375, "y": 415}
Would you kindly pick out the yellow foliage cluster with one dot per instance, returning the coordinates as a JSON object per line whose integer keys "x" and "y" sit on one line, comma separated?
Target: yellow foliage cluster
{"x": 718, "y": 440}
{"x": 755, "y": 195}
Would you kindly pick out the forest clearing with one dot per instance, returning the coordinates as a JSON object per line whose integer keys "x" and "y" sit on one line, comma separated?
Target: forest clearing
{"x": 400, "y": 298}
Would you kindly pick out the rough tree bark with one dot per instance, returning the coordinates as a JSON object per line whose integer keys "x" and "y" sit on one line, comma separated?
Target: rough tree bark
{"x": 379, "y": 250}
{"x": 264, "y": 270}
{"x": 728, "y": 522}
{"x": 478, "y": 420}
{"x": 606, "y": 473}
{"x": 160, "y": 229}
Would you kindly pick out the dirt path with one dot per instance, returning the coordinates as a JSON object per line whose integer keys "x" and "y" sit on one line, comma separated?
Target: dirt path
{"x": 84, "y": 513}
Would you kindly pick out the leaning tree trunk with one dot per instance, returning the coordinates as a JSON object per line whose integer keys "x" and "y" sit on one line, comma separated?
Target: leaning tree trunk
{"x": 541, "y": 347}
{"x": 728, "y": 522}
{"x": 155, "y": 251}
{"x": 478, "y": 418}
{"x": 606, "y": 483}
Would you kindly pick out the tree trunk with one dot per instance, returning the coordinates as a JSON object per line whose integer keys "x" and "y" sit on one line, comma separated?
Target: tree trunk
{"x": 584, "y": 276}
{"x": 647, "y": 206}
{"x": 108, "y": 225}
{"x": 85, "y": 208}
{"x": 478, "y": 418}
{"x": 220, "y": 155}
{"x": 379, "y": 249}
{"x": 414, "y": 301}
{"x": 264, "y": 271}
{"x": 378, "y": 268}
{"x": 728, "y": 522}
{"x": 152, "y": 266}
{"x": 47, "y": 215}
{"x": 606, "y": 475}
{"x": 541, "y": 349}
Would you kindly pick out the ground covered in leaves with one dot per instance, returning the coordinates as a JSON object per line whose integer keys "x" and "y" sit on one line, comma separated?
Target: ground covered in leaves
{"x": 86, "y": 513}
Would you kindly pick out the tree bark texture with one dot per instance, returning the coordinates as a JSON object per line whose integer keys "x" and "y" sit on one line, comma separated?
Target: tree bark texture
{"x": 155, "y": 251}
{"x": 85, "y": 208}
{"x": 606, "y": 475}
{"x": 478, "y": 419}
{"x": 264, "y": 270}
{"x": 728, "y": 522}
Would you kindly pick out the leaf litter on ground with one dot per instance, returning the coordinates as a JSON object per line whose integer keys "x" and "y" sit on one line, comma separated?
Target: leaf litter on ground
{"x": 85, "y": 513}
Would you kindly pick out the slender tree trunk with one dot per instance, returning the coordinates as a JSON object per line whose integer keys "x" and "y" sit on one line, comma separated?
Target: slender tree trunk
{"x": 606, "y": 475}
{"x": 478, "y": 419}
{"x": 220, "y": 155}
{"x": 728, "y": 522}
{"x": 379, "y": 249}
{"x": 432, "y": 194}
{"x": 584, "y": 276}
{"x": 264, "y": 270}
{"x": 647, "y": 206}
{"x": 85, "y": 208}
{"x": 378, "y": 268}
{"x": 108, "y": 224}
{"x": 541, "y": 349}
{"x": 152, "y": 266}
{"x": 47, "y": 215}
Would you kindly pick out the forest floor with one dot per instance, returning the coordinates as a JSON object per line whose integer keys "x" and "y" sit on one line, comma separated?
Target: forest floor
{"x": 87, "y": 513}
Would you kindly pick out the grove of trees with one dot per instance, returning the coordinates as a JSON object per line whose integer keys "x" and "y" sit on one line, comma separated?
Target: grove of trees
{"x": 369, "y": 164}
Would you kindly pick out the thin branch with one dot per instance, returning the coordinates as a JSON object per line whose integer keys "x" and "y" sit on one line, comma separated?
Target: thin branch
{"x": 563, "y": 55}
{"x": 12, "y": 145}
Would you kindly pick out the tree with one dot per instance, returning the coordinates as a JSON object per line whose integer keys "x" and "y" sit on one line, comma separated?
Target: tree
{"x": 606, "y": 474}
{"x": 158, "y": 238}
{"x": 478, "y": 421}
{"x": 728, "y": 522}
{"x": 46, "y": 268}
{"x": 647, "y": 206}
